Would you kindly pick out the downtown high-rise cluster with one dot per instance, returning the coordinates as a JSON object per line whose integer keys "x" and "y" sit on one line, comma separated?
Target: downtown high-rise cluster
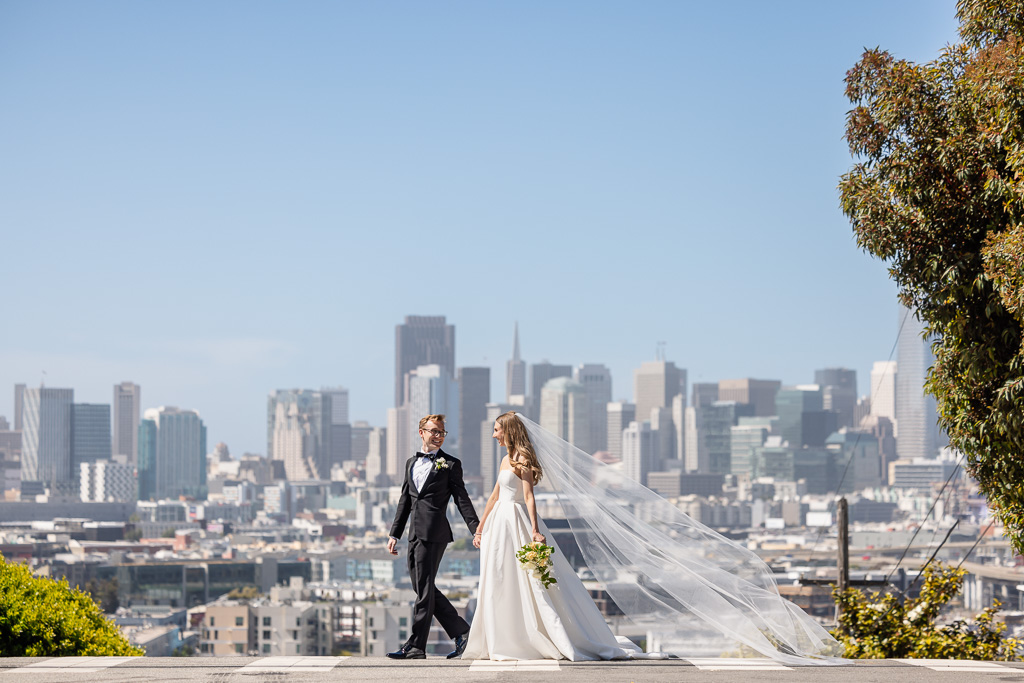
{"x": 674, "y": 437}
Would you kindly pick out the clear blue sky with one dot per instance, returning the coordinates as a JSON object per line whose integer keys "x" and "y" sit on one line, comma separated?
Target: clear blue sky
{"x": 219, "y": 199}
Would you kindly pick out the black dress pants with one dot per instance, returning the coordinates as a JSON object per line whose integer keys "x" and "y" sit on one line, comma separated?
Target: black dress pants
{"x": 424, "y": 559}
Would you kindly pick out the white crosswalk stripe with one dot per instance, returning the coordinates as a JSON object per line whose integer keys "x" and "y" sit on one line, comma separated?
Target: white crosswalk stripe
{"x": 290, "y": 664}
{"x": 956, "y": 665}
{"x": 737, "y": 664}
{"x": 83, "y": 665}
{"x": 485, "y": 665}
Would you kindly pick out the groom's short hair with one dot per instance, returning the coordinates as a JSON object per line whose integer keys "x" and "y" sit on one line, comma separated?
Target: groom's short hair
{"x": 439, "y": 419}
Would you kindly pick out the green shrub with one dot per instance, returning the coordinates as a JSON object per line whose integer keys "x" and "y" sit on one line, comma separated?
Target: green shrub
{"x": 46, "y": 618}
{"x": 878, "y": 626}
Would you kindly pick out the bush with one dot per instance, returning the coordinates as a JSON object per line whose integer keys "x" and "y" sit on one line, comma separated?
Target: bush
{"x": 880, "y": 627}
{"x": 47, "y": 618}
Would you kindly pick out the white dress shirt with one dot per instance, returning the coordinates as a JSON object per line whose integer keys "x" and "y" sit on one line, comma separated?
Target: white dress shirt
{"x": 420, "y": 470}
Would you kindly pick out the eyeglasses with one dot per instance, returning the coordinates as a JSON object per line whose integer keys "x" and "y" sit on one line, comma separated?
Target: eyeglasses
{"x": 436, "y": 432}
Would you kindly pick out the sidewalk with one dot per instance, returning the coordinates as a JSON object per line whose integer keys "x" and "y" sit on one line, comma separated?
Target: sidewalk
{"x": 440, "y": 670}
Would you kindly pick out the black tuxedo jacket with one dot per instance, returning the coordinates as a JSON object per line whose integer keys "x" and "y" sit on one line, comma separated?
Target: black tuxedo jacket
{"x": 424, "y": 510}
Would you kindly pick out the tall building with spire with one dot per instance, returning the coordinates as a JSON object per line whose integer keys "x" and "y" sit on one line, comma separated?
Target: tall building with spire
{"x": 515, "y": 372}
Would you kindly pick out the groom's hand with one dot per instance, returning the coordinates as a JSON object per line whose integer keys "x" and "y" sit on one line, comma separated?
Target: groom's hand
{"x": 393, "y": 545}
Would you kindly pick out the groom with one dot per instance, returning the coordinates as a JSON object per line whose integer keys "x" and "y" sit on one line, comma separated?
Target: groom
{"x": 432, "y": 478}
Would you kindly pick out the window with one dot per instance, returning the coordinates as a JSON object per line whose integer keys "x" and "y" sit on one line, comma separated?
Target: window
{"x": 239, "y": 621}
{"x": 402, "y": 635}
{"x": 216, "y": 635}
{"x": 369, "y": 622}
{"x": 373, "y": 635}
{"x": 266, "y": 621}
{"x": 213, "y": 621}
{"x": 402, "y": 621}
{"x": 266, "y": 648}
{"x": 370, "y": 651}
{"x": 239, "y": 648}
{"x": 266, "y": 635}
{"x": 298, "y": 621}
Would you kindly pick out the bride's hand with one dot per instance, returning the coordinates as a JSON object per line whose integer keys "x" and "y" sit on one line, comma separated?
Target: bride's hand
{"x": 538, "y": 537}
{"x": 476, "y": 541}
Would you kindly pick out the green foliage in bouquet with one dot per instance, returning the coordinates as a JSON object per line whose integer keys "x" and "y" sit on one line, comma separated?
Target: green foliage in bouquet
{"x": 878, "y": 626}
{"x": 46, "y": 618}
{"x": 536, "y": 559}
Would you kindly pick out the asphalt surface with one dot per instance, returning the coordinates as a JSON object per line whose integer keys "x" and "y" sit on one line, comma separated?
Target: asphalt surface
{"x": 439, "y": 670}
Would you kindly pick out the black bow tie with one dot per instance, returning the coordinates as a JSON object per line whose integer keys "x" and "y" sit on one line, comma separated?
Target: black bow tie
{"x": 427, "y": 455}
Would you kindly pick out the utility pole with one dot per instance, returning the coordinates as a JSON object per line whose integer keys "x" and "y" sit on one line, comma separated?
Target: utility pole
{"x": 843, "y": 558}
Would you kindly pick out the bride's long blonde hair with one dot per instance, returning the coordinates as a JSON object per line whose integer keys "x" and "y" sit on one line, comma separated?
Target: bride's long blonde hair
{"x": 520, "y": 450}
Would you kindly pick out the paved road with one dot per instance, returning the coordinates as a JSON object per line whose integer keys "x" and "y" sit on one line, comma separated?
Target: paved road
{"x": 439, "y": 670}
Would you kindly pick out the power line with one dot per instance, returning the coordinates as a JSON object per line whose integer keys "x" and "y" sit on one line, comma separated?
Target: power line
{"x": 926, "y": 516}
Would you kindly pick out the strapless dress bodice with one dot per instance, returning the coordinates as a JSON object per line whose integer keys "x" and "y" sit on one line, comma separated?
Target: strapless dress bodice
{"x": 510, "y": 487}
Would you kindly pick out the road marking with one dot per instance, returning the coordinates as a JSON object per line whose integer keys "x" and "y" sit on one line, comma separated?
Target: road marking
{"x": 483, "y": 665}
{"x": 76, "y": 664}
{"x": 737, "y": 664}
{"x": 293, "y": 664}
{"x": 955, "y": 665}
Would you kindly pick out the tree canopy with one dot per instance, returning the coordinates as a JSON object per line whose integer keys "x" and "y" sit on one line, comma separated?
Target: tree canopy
{"x": 46, "y": 618}
{"x": 937, "y": 191}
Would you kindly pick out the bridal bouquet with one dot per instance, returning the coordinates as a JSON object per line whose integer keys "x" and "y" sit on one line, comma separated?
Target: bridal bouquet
{"x": 536, "y": 559}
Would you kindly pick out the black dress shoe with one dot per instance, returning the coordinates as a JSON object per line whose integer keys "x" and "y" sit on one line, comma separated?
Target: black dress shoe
{"x": 460, "y": 646}
{"x": 407, "y": 652}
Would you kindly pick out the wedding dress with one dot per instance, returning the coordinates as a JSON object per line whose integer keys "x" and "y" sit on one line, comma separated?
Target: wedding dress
{"x": 694, "y": 592}
{"x": 516, "y": 616}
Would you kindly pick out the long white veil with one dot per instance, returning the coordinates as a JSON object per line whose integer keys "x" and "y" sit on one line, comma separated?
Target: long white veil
{"x": 695, "y": 591}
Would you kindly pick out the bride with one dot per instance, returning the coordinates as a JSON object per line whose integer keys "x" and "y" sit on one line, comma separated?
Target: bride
{"x": 516, "y": 617}
{"x": 695, "y": 592}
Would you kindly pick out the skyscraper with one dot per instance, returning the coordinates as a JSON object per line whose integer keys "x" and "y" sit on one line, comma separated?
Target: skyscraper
{"x": 759, "y": 393}
{"x": 638, "y": 451}
{"x": 299, "y": 432}
{"x": 422, "y": 340}
{"x": 126, "y": 408}
{"x": 361, "y": 431}
{"x": 172, "y": 454}
{"x": 376, "y": 455}
{"x": 916, "y": 412}
{"x": 432, "y": 390}
{"x": 839, "y": 392}
{"x": 793, "y": 405}
{"x": 90, "y": 434}
{"x": 515, "y": 372}
{"x": 19, "y": 406}
{"x": 655, "y": 383}
{"x": 704, "y": 394}
{"x": 597, "y": 380}
{"x": 474, "y": 395}
{"x": 620, "y": 414}
{"x": 540, "y": 373}
{"x": 883, "y": 390}
{"x": 341, "y": 430}
{"x": 491, "y": 452}
{"x": 399, "y": 446}
{"x": 46, "y": 435}
{"x": 565, "y": 411}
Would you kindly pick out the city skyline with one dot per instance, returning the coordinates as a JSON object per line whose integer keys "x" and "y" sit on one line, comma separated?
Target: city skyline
{"x": 257, "y": 212}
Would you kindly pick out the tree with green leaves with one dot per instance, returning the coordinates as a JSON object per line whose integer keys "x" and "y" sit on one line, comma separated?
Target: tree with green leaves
{"x": 878, "y": 626}
{"x": 937, "y": 191}
{"x": 45, "y": 618}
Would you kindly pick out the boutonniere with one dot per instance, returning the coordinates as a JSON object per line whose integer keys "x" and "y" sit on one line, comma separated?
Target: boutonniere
{"x": 441, "y": 464}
